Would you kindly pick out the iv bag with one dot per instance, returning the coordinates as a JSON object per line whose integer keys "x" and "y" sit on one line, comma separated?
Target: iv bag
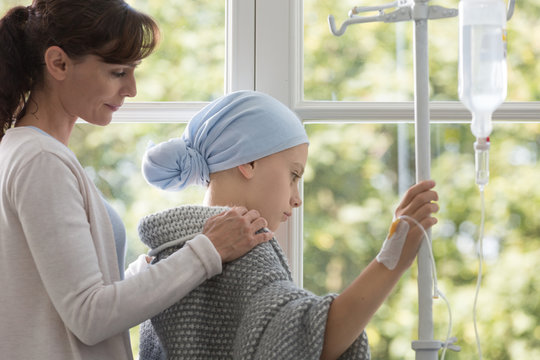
{"x": 482, "y": 60}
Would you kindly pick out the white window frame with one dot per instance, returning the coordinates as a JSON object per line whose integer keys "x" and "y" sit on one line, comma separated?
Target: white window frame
{"x": 279, "y": 62}
{"x": 239, "y": 71}
{"x": 265, "y": 53}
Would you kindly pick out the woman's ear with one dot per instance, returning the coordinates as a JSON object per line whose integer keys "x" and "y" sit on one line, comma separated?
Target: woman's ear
{"x": 247, "y": 170}
{"x": 56, "y": 61}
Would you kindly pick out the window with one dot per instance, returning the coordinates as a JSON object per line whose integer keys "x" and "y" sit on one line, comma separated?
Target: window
{"x": 355, "y": 95}
{"x": 189, "y": 63}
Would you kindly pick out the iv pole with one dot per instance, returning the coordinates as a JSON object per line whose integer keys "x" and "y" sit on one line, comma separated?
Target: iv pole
{"x": 418, "y": 10}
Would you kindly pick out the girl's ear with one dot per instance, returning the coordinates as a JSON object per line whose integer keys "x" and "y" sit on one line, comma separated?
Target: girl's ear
{"x": 247, "y": 170}
{"x": 56, "y": 61}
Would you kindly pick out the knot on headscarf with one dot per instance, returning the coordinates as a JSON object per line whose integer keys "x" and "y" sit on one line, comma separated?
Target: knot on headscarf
{"x": 172, "y": 165}
{"x": 235, "y": 129}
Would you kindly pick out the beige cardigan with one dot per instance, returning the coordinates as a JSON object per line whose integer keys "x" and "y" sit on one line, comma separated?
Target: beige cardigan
{"x": 61, "y": 294}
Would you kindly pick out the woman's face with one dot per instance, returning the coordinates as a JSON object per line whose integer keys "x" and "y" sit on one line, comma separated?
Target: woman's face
{"x": 94, "y": 90}
{"x": 274, "y": 186}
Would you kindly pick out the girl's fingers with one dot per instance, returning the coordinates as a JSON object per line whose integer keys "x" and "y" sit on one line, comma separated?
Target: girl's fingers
{"x": 425, "y": 210}
{"x": 416, "y": 233}
{"x": 417, "y": 203}
{"x": 420, "y": 200}
{"x": 415, "y": 190}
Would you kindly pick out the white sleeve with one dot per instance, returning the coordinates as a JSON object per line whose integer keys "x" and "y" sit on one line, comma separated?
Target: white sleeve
{"x": 136, "y": 266}
{"x": 51, "y": 211}
{"x": 207, "y": 252}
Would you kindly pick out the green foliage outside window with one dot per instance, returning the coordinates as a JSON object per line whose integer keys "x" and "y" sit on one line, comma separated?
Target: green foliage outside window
{"x": 374, "y": 61}
{"x": 190, "y": 61}
{"x": 356, "y": 175}
{"x": 353, "y": 184}
{"x": 351, "y": 189}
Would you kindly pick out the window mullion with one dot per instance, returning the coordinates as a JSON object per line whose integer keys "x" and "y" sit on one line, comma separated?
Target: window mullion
{"x": 240, "y": 45}
{"x": 275, "y": 30}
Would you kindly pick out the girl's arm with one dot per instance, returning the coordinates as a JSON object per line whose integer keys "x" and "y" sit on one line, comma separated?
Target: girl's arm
{"x": 351, "y": 311}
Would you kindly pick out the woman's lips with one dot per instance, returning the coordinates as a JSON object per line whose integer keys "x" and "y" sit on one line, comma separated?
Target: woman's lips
{"x": 113, "y": 107}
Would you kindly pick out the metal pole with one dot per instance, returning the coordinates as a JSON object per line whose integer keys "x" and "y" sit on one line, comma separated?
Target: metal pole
{"x": 426, "y": 348}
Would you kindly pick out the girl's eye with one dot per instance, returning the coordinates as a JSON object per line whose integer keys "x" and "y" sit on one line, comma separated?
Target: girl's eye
{"x": 119, "y": 74}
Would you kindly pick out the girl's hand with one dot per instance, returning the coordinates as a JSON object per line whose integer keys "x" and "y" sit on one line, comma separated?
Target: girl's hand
{"x": 417, "y": 203}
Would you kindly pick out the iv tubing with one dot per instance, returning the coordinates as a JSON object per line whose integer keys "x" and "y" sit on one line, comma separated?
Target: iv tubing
{"x": 479, "y": 279}
{"x": 436, "y": 291}
{"x": 428, "y": 244}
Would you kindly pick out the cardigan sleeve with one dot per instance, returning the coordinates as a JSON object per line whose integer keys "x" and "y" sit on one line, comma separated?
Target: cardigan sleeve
{"x": 48, "y": 198}
{"x": 291, "y": 324}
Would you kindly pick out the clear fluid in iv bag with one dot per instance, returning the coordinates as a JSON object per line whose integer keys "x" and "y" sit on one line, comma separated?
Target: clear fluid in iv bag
{"x": 482, "y": 73}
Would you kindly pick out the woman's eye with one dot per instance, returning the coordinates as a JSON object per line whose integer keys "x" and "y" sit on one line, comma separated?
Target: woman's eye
{"x": 119, "y": 74}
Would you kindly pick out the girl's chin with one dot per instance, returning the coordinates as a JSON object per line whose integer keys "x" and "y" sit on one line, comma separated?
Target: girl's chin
{"x": 275, "y": 227}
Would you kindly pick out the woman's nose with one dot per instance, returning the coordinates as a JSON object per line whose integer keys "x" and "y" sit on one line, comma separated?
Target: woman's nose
{"x": 130, "y": 88}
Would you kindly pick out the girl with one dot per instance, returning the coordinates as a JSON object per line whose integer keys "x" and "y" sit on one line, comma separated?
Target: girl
{"x": 251, "y": 150}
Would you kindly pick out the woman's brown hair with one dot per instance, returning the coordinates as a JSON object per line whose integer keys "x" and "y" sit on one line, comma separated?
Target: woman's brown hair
{"x": 110, "y": 29}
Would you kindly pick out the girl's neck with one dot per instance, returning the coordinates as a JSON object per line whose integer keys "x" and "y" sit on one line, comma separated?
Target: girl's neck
{"x": 214, "y": 198}
{"x": 225, "y": 190}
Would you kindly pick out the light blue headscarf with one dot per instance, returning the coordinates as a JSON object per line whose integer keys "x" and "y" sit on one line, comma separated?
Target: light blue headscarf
{"x": 233, "y": 130}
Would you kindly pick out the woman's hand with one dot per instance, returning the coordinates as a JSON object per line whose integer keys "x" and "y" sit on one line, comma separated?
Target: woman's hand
{"x": 418, "y": 203}
{"x": 233, "y": 232}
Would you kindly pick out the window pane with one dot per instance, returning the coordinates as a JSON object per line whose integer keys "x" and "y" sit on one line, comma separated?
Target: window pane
{"x": 374, "y": 61}
{"x": 189, "y": 64}
{"x": 351, "y": 190}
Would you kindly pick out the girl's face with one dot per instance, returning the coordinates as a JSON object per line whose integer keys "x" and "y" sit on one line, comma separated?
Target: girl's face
{"x": 94, "y": 90}
{"x": 273, "y": 189}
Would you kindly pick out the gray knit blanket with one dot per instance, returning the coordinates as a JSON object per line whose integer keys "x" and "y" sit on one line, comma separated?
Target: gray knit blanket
{"x": 252, "y": 310}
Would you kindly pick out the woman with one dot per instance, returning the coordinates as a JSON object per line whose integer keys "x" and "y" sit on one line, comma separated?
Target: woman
{"x": 251, "y": 150}
{"x": 63, "y": 296}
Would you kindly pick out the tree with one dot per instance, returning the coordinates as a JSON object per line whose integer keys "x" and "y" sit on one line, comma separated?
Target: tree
{"x": 352, "y": 178}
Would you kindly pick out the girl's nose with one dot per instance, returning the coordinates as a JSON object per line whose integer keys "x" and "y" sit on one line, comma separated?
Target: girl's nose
{"x": 296, "y": 201}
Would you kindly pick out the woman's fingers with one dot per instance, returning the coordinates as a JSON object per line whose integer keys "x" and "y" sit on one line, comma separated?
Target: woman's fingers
{"x": 233, "y": 232}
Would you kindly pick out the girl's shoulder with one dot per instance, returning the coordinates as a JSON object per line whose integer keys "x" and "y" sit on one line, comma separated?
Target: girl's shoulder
{"x": 266, "y": 262}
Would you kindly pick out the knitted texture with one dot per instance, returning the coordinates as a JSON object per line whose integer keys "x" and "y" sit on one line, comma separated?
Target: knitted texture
{"x": 253, "y": 310}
